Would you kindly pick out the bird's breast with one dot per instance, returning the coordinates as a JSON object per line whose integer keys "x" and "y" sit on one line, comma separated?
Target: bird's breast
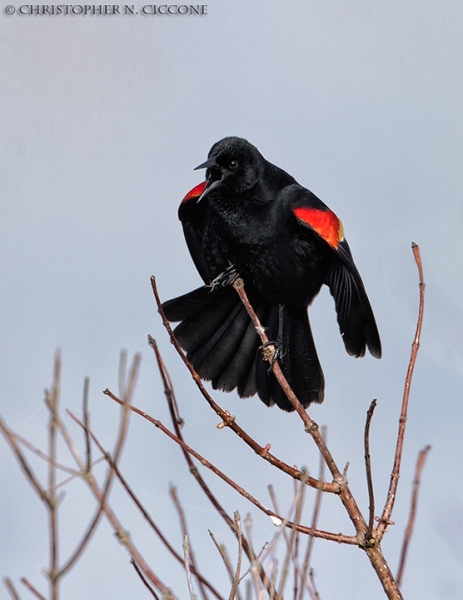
{"x": 275, "y": 267}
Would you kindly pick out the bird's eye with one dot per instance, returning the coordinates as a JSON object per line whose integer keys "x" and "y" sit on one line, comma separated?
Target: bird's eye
{"x": 232, "y": 165}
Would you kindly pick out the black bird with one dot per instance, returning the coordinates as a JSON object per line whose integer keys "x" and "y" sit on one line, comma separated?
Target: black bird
{"x": 250, "y": 218}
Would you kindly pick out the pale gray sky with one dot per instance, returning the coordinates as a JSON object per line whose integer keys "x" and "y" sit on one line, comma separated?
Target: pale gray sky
{"x": 103, "y": 119}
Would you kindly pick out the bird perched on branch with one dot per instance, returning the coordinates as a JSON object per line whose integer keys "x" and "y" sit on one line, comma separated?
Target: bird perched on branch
{"x": 251, "y": 219}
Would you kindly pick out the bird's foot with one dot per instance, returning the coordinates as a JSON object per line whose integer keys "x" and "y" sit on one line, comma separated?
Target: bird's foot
{"x": 271, "y": 352}
{"x": 228, "y": 277}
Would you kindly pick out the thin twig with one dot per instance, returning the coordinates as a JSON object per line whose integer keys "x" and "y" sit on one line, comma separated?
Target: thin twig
{"x": 236, "y": 578}
{"x": 256, "y": 565}
{"x": 184, "y": 528}
{"x": 298, "y": 570}
{"x": 295, "y": 554}
{"x": 52, "y": 402}
{"x": 86, "y": 421}
{"x": 371, "y": 495}
{"x": 32, "y": 589}
{"x": 274, "y": 575}
{"x": 34, "y": 482}
{"x": 290, "y": 554}
{"x": 248, "y": 589}
{"x": 144, "y": 580}
{"x": 226, "y": 560}
{"x": 122, "y": 371}
{"x": 11, "y": 589}
{"x": 316, "y": 511}
{"x": 392, "y": 492}
{"x": 411, "y": 519}
{"x": 281, "y": 531}
{"x": 44, "y": 456}
{"x": 312, "y": 581}
{"x": 64, "y": 482}
{"x": 186, "y": 550}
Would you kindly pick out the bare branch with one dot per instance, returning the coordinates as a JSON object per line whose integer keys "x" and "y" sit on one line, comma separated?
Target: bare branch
{"x": 256, "y": 565}
{"x": 52, "y": 402}
{"x": 411, "y": 519}
{"x": 316, "y": 595}
{"x": 11, "y": 589}
{"x": 226, "y": 560}
{"x": 186, "y": 537}
{"x": 291, "y": 542}
{"x": 122, "y": 373}
{"x": 101, "y": 494}
{"x": 365, "y": 534}
{"x": 371, "y": 521}
{"x": 316, "y": 511}
{"x": 248, "y": 589}
{"x": 236, "y": 578}
{"x": 86, "y": 420}
{"x": 32, "y": 589}
{"x": 142, "y": 577}
{"x": 76, "y": 474}
{"x": 44, "y": 456}
{"x": 392, "y": 492}
{"x": 186, "y": 550}
{"x": 11, "y": 439}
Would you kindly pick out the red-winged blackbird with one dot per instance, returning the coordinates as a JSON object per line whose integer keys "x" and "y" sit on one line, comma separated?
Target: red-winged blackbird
{"x": 250, "y": 218}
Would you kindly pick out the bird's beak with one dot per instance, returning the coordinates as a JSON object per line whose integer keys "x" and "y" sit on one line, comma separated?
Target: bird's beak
{"x": 210, "y": 162}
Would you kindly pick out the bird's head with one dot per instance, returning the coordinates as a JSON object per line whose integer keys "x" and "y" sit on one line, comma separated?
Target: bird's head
{"x": 233, "y": 164}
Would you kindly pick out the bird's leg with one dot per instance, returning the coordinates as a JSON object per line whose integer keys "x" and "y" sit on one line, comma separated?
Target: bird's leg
{"x": 228, "y": 277}
{"x": 279, "y": 340}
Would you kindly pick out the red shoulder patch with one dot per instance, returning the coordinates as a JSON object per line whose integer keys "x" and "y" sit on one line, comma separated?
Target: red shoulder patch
{"x": 195, "y": 192}
{"x": 324, "y": 222}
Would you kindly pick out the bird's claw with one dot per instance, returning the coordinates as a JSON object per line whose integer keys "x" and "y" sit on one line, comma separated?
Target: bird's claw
{"x": 271, "y": 351}
{"x": 228, "y": 277}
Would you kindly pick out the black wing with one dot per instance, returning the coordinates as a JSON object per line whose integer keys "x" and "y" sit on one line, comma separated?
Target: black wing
{"x": 355, "y": 316}
{"x": 193, "y": 213}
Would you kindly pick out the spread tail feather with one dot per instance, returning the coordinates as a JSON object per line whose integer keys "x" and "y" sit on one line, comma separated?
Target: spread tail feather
{"x": 223, "y": 346}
